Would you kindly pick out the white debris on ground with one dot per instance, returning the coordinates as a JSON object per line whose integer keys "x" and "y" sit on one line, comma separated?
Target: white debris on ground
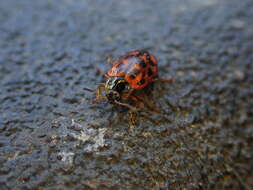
{"x": 94, "y": 137}
{"x": 99, "y": 141}
{"x": 67, "y": 157}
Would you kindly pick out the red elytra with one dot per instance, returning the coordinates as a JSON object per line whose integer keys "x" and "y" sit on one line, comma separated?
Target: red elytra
{"x": 138, "y": 68}
{"x": 130, "y": 72}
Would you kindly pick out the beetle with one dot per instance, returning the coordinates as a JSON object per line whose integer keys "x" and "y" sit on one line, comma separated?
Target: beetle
{"x": 131, "y": 72}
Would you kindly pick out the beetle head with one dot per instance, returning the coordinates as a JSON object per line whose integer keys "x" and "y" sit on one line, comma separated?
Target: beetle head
{"x": 114, "y": 87}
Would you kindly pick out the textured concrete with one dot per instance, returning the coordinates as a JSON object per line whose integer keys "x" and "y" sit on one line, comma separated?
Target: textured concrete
{"x": 51, "y": 137}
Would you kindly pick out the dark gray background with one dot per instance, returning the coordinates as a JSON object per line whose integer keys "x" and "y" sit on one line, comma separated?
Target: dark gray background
{"x": 52, "y": 138}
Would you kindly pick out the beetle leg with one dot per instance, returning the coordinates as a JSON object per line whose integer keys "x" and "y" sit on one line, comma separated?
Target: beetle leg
{"x": 131, "y": 112}
{"x": 127, "y": 95}
{"x": 88, "y": 89}
{"x": 99, "y": 96}
{"x": 132, "y": 108}
{"x": 101, "y": 73}
{"x": 146, "y": 102}
{"x": 132, "y": 119}
{"x": 141, "y": 101}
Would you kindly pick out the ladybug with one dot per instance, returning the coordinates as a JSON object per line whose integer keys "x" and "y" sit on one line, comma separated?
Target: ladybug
{"x": 131, "y": 72}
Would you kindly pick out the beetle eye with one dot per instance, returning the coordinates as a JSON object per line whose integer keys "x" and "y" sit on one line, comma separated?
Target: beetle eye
{"x": 120, "y": 87}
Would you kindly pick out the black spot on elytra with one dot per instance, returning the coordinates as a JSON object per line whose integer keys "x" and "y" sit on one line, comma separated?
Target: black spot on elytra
{"x": 142, "y": 64}
{"x": 133, "y": 74}
{"x": 152, "y": 63}
{"x": 146, "y": 54}
{"x": 150, "y": 72}
{"x": 132, "y": 77}
{"x": 141, "y": 82}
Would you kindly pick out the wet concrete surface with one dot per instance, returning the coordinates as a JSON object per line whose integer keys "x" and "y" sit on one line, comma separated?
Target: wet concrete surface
{"x": 52, "y": 138}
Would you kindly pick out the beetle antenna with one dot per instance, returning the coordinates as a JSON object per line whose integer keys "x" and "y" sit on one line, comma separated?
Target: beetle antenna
{"x": 88, "y": 89}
